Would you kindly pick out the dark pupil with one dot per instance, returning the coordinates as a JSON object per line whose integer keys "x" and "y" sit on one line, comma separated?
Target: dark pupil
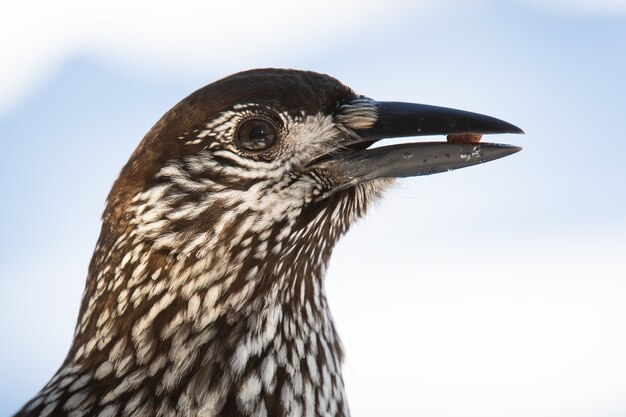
{"x": 256, "y": 134}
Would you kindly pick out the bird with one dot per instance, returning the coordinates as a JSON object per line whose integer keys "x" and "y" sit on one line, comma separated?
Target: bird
{"x": 205, "y": 294}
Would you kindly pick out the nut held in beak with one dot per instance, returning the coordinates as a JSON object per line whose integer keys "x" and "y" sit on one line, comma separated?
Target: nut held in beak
{"x": 464, "y": 137}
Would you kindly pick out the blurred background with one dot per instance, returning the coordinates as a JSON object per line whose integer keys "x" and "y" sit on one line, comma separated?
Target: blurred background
{"x": 498, "y": 290}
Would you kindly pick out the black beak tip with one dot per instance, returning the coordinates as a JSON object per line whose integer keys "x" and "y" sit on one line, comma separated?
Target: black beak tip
{"x": 497, "y": 126}
{"x": 515, "y": 149}
{"x": 498, "y": 150}
{"x": 516, "y": 130}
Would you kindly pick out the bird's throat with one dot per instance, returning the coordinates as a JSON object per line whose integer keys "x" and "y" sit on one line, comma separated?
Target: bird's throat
{"x": 240, "y": 326}
{"x": 254, "y": 337}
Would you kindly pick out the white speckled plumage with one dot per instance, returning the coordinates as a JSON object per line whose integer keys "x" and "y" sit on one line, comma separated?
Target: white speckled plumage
{"x": 205, "y": 295}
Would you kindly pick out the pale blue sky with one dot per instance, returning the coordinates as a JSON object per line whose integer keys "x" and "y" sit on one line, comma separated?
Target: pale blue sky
{"x": 496, "y": 290}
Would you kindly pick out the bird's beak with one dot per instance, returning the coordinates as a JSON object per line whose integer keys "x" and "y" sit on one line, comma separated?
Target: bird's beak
{"x": 356, "y": 164}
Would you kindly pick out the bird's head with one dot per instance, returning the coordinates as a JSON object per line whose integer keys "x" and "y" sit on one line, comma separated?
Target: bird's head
{"x": 238, "y": 194}
{"x": 271, "y": 154}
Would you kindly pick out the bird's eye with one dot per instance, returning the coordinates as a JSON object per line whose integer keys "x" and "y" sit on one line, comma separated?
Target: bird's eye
{"x": 256, "y": 135}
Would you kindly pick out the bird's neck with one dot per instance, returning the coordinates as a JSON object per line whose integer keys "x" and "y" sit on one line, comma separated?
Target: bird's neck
{"x": 233, "y": 320}
{"x": 243, "y": 327}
